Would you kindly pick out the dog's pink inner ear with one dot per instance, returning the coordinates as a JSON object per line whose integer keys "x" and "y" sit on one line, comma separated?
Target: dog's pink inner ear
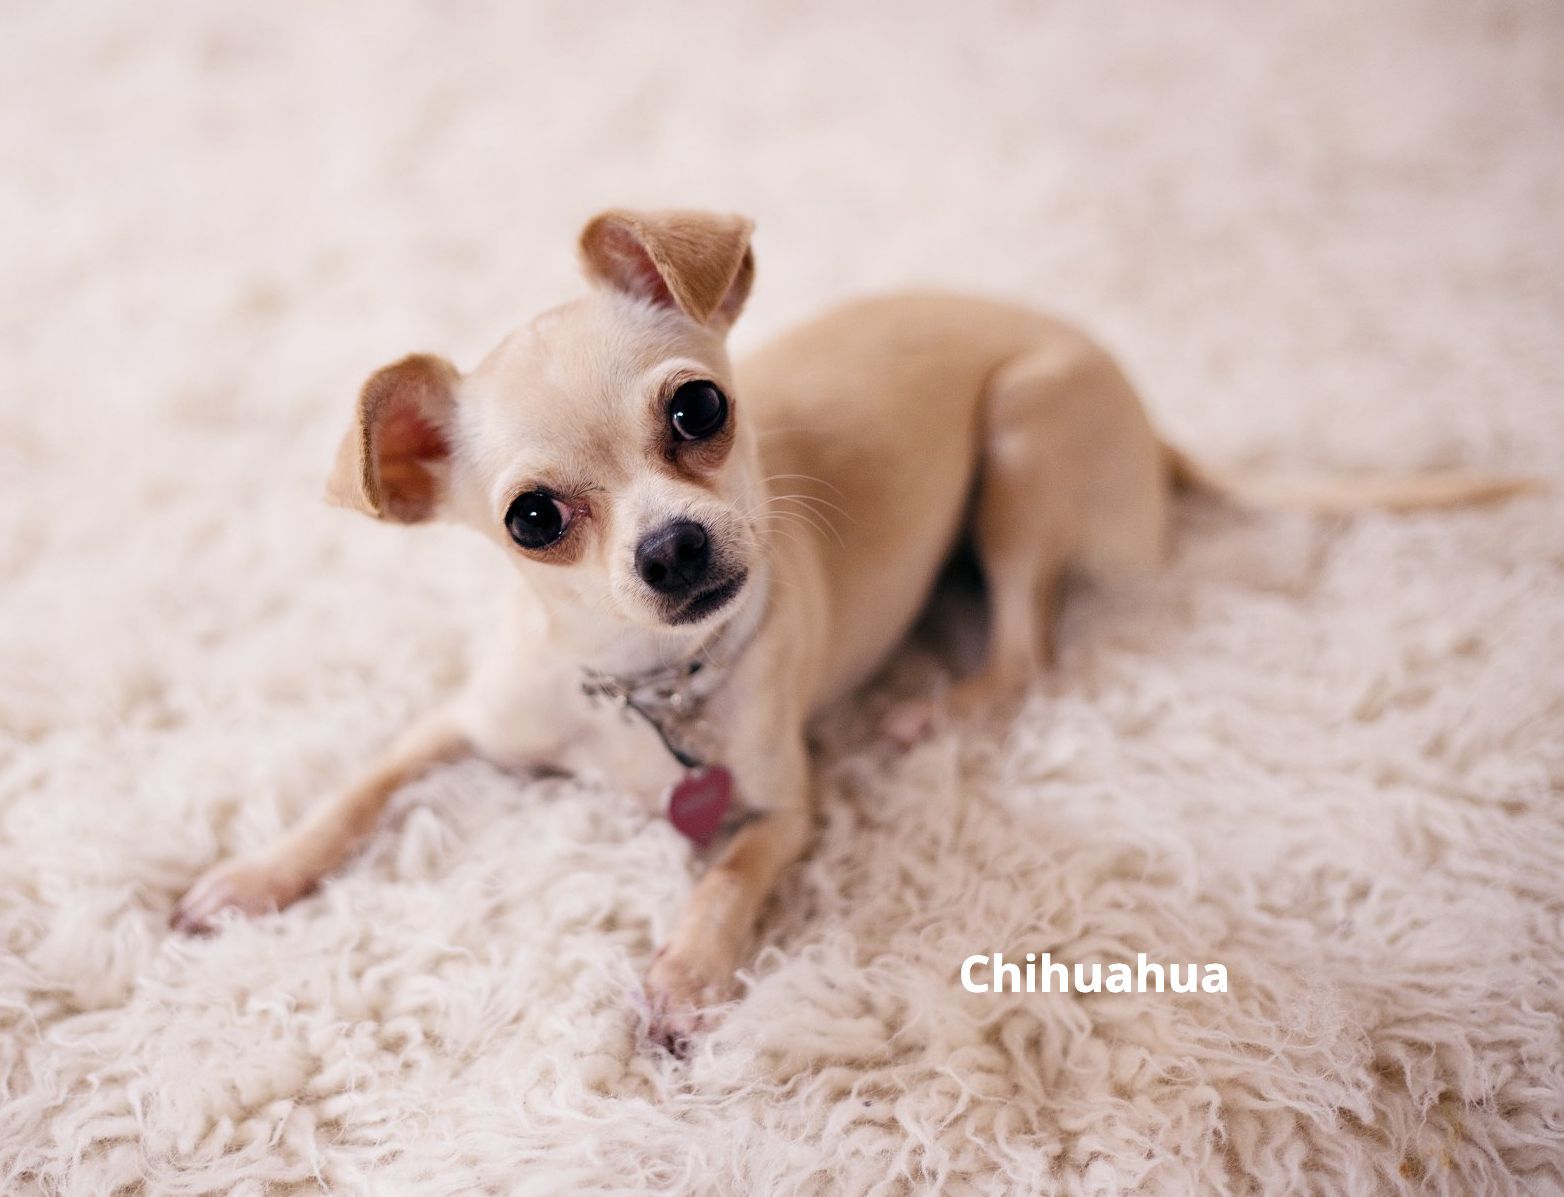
{"x": 411, "y": 448}
{"x": 392, "y": 463}
{"x": 697, "y": 263}
{"x": 628, "y": 266}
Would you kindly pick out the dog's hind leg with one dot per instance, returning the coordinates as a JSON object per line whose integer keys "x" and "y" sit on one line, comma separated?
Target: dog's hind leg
{"x": 1071, "y": 477}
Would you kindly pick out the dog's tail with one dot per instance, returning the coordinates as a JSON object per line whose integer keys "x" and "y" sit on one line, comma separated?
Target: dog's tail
{"x": 1347, "y": 493}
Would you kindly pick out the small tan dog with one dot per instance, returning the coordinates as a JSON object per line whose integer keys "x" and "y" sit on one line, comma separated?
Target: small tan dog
{"x": 724, "y": 552}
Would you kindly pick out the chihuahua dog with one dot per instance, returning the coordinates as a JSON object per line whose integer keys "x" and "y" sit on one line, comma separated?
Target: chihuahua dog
{"x": 707, "y": 556}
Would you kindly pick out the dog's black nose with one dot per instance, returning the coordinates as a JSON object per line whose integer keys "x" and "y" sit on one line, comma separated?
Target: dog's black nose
{"x": 674, "y": 559}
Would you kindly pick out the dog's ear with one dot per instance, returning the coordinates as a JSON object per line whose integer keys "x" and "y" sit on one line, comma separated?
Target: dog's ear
{"x": 393, "y": 460}
{"x": 697, "y": 262}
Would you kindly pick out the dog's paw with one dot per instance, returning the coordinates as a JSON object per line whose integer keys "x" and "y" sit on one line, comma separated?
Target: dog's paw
{"x": 912, "y": 721}
{"x": 680, "y": 987}
{"x": 249, "y": 884}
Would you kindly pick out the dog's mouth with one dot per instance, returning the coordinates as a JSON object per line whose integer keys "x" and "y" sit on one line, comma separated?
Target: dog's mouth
{"x": 709, "y": 602}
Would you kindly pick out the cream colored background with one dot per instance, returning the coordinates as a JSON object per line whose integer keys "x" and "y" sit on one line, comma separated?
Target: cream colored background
{"x": 1327, "y": 754}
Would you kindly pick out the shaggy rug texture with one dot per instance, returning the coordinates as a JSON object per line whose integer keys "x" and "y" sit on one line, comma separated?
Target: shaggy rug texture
{"x": 1326, "y": 754}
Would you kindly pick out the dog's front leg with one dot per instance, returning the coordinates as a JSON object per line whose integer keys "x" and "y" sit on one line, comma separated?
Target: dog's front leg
{"x": 291, "y": 866}
{"x": 696, "y": 966}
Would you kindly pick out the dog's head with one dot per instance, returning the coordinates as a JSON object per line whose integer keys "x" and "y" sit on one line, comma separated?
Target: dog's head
{"x": 601, "y": 445}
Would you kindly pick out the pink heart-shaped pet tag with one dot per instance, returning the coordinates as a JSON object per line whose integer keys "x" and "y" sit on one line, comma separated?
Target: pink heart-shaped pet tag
{"x": 699, "y": 801}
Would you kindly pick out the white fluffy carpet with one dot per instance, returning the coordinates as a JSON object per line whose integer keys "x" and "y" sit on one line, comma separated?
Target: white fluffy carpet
{"x": 1326, "y": 754}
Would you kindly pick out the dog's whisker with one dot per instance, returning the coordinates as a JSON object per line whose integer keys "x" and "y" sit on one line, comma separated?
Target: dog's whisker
{"x": 776, "y": 524}
{"x": 815, "y": 504}
{"x": 804, "y": 515}
{"x": 789, "y": 429}
{"x": 805, "y": 478}
{"x": 784, "y": 532}
{"x": 804, "y": 501}
{"x": 770, "y": 519}
{"x": 836, "y": 507}
{"x": 824, "y": 524}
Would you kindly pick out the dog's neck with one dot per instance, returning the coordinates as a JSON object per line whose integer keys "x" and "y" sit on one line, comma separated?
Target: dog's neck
{"x": 627, "y": 653}
{"x": 671, "y": 695}
{"x": 714, "y": 649}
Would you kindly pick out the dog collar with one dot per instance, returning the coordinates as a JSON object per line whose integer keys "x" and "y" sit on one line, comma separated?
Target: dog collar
{"x": 671, "y": 699}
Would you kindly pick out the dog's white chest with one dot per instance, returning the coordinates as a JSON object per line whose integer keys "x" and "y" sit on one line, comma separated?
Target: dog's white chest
{"x": 618, "y": 750}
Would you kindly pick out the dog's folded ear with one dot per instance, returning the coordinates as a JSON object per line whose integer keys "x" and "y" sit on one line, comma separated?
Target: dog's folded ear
{"x": 697, "y": 262}
{"x": 393, "y": 460}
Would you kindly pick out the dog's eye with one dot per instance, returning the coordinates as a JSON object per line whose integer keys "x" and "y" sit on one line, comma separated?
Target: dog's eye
{"x": 537, "y": 519}
{"x": 698, "y": 410}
